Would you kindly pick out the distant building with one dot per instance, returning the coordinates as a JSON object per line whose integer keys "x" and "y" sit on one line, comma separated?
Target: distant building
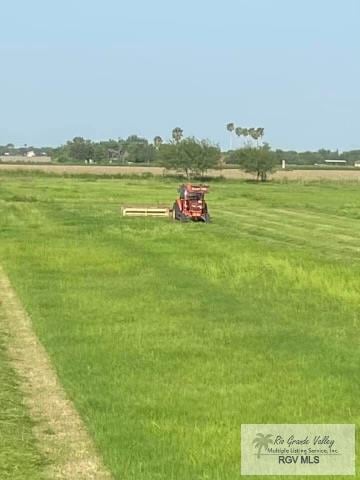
{"x": 357, "y": 163}
{"x": 335, "y": 162}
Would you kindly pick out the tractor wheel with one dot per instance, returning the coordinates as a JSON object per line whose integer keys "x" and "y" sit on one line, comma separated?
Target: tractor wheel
{"x": 206, "y": 216}
{"x": 178, "y": 215}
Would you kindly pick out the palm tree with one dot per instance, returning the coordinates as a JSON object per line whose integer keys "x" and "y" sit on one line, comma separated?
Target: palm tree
{"x": 252, "y": 133}
{"x": 260, "y": 132}
{"x": 257, "y": 133}
{"x": 238, "y": 131}
{"x": 177, "y": 134}
{"x": 262, "y": 441}
{"x": 157, "y": 141}
{"x": 245, "y": 133}
{"x": 230, "y": 128}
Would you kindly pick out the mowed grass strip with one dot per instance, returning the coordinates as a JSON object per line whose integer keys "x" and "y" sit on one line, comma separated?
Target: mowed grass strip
{"x": 19, "y": 456}
{"x": 168, "y": 336}
{"x": 57, "y": 428}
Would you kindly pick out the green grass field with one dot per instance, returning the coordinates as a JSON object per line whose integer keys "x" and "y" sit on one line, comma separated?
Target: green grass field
{"x": 168, "y": 337}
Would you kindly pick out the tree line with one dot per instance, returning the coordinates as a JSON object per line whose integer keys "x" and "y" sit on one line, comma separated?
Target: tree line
{"x": 186, "y": 155}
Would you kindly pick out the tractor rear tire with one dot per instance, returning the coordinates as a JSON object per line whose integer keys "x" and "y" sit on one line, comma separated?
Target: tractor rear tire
{"x": 178, "y": 215}
{"x": 206, "y": 216}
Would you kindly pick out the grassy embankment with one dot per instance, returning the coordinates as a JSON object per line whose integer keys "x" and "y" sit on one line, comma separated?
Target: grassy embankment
{"x": 167, "y": 336}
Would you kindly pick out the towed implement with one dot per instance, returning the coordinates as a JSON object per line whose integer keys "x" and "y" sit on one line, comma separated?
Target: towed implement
{"x": 139, "y": 211}
{"x": 190, "y": 205}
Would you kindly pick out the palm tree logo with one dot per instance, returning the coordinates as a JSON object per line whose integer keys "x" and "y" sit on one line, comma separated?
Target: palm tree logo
{"x": 262, "y": 441}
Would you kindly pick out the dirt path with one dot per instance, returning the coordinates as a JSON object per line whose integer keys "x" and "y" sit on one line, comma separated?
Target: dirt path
{"x": 299, "y": 175}
{"x": 61, "y": 435}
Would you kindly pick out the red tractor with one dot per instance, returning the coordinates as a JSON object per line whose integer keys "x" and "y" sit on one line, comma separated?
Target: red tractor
{"x": 191, "y": 204}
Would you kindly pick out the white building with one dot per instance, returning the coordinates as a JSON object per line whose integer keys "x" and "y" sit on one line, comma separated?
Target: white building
{"x": 335, "y": 162}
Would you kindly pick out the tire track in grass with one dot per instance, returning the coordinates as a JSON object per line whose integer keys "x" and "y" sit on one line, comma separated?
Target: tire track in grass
{"x": 270, "y": 237}
{"x": 59, "y": 430}
{"x": 320, "y": 214}
{"x": 337, "y": 239}
{"x": 297, "y": 218}
{"x": 336, "y": 223}
{"x": 319, "y": 239}
{"x": 300, "y": 216}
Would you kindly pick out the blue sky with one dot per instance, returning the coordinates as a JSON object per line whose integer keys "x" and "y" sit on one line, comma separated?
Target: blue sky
{"x": 111, "y": 68}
